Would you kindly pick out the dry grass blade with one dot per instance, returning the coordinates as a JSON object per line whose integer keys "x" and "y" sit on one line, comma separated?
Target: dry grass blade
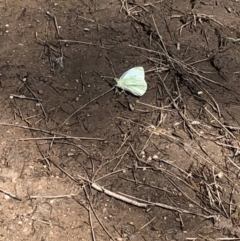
{"x": 230, "y": 133}
{"x": 80, "y": 108}
{"x": 194, "y": 18}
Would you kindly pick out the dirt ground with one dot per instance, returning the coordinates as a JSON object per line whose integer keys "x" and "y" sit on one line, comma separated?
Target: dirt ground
{"x": 79, "y": 161}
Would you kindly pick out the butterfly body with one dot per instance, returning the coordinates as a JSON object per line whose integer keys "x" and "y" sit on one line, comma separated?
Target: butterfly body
{"x": 133, "y": 81}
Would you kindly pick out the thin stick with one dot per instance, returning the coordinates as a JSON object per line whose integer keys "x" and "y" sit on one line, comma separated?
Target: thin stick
{"x": 73, "y": 144}
{"x": 50, "y": 132}
{"x": 86, "y": 19}
{"x": 122, "y": 144}
{"x": 41, "y": 221}
{"x": 43, "y": 42}
{"x": 101, "y": 166}
{"x": 10, "y": 195}
{"x": 57, "y": 30}
{"x": 218, "y": 197}
{"x": 59, "y": 137}
{"x": 109, "y": 174}
{"x": 67, "y": 174}
{"x": 81, "y": 42}
{"x": 187, "y": 197}
{"x": 156, "y": 107}
{"x": 24, "y": 97}
{"x": 95, "y": 214}
{"x": 180, "y": 210}
{"x": 234, "y": 164}
{"x": 43, "y": 156}
{"x": 54, "y": 197}
{"x": 144, "y": 203}
{"x": 55, "y": 23}
{"x": 118, "y": 196}
{"x": 89, "y": 213}
{"x": 91, "y": 224}
{"x": 147, "y": 224}
{"x": 179, "y": 111}
{"x": 181, "y": 221}
{"x": 147, "y": 185}
{"x": 163, "y": 45}
{"x": 230, "y": 133}
{"x": 121, "y": 159}
{"x": 75, "y": 112}
{"x": 227, "y": 239}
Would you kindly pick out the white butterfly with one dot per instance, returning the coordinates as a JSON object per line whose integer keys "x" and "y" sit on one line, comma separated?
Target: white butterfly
{"x": 133, "y": 81}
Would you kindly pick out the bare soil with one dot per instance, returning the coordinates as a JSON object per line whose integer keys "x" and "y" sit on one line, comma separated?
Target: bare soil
{"x": 164, "y": 166}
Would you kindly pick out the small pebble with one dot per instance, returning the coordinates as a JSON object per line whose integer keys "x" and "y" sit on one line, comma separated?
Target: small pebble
{"x": 229, "y": 9}
{"x": 220, "y": 175}
{"x": 131, "y": 107}
{"x": 149, "y": 158}
{"x": 195, "y": 123}
{"x": 178, "y": 46}
{"x": 40, "y": 92}
{"x": 155, "y": 157}
{"x": 7, "y": 197}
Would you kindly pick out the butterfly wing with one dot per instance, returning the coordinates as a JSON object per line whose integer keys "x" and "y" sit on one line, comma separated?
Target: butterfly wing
{"x": 133, "y": 72}
{"x": 133, "y": 81}
{"x": 136, "y": 86}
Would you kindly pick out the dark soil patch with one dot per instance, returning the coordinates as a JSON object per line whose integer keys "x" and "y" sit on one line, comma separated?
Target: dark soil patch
{"x": 174, "y": 150}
